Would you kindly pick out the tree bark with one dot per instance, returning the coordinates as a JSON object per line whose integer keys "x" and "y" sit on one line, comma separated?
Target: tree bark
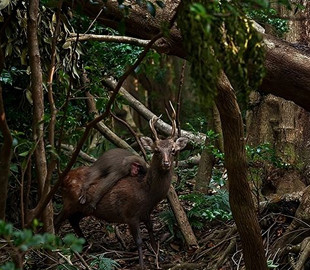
{"x": 281, "y": 123}
{"x": 240, "y": 196}
{"x": 288, "y": 72}
{"x": 204, "y": 173}
{"x": 38, "y": 109}
{"x": 182, "y": 219}
{"x": 207, "y": 159}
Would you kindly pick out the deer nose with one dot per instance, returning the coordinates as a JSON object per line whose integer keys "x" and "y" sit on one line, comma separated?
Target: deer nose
{"x": 166, "y": 164}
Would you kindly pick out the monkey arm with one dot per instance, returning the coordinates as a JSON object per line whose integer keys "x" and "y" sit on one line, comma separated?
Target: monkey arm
{"x": 104, "y": 186}
{"x": 93, "y": 176}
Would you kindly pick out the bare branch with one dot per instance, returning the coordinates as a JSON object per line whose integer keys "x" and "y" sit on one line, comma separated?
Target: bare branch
{"x": 179, "y": 97}
{"x": 103, "y": 129}
{"x": 52, "y": 123}
{"x": 83, "y": 155}
{"x": 108, "y": 38}
{"x": 133, "y": 133}
{"x": 147, "y": 114}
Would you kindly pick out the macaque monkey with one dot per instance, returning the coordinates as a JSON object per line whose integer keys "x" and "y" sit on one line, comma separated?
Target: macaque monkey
{"x": 112, "y": 166}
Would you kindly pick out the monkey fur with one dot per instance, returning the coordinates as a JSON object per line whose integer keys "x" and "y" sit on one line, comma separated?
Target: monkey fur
{"x": 112, "y": 166}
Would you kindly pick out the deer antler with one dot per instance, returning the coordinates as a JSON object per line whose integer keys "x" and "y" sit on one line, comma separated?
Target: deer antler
{"x": 152, "y": 126}
{"x": 172, "y": 118}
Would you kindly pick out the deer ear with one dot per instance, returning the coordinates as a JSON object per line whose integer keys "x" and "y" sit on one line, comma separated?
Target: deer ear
{"x": 147, "y": 143}
{"x": 180, "y": 143}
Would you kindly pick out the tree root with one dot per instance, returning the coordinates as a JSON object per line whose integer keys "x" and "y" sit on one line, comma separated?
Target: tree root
{"x": 304, "y": 255}
{"x": 185, "y": 265}
{"x": 228, "y": 251}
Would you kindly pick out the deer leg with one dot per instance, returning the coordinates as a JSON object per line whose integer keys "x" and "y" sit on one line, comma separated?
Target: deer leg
{"x": 136, "y": 234}
{"x": 59, "y": 219}
{"x": 149, "y": 226}
{"x": 75, "y": 223}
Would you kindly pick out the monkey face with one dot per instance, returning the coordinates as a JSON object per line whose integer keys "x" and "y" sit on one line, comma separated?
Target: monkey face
{"x": 137, "y": 169}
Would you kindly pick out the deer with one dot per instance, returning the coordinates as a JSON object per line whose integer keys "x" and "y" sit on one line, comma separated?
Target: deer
{"x": 131, "y": 199}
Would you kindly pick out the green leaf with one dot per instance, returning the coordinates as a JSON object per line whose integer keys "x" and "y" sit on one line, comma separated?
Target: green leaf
{"x": 29, "y": 96}
{"x": 285, "y": 3}
{"x": 76, "y": 244}
{"x": 94, "y": 2}
{"x": 199, "y": 9}
{"x": 151, "y": 8}
{"x": 8, "y": 266}
{"x": 24, "y": 154}
{"x": 121, "y": 27}
{"x": 67, "y": 45}
{"x": 6, "y": 77}
{"x": 262, "y": 3}
{"x": 5, "y": 229}
{"x": 161, "y": 4}
{"x": 8, "y": 49}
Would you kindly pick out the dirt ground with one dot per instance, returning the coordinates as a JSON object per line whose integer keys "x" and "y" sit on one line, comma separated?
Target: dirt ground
{"x": 219, "y": 243}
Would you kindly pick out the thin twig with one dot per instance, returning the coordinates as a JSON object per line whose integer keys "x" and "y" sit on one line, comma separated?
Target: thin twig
{"x": 109, "y": 38}
{"x": 51, "y": 127}
{"x": 82, "y": 260}
{"x": 226, "y": 253}
{"x": 179, "y": 98}
{"x": 178, "y": 111}
{"x": 119, "y": 237}
{"x": 92, "y": 23}
{"x": 65, "y": 258}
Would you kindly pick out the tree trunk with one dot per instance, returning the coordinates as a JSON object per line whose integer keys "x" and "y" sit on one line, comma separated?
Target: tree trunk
{"x": 207, "y": 159}
{"x": 38, "y": 110}
{"x": 182, "y": 219}
{"x": 240, "y": 196}
{"x": 204, "y": 172}
{"x": 281, "y": 123}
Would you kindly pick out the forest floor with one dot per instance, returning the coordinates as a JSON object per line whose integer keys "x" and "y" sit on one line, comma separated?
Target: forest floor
{"x": 218, "y": 241}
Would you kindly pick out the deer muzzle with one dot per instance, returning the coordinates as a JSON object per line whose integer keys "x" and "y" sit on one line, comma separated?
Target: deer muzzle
{"x": 166, "y": 164}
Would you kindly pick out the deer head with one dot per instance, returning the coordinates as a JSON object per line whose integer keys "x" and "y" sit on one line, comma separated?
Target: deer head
{"x": 164, "y": 150}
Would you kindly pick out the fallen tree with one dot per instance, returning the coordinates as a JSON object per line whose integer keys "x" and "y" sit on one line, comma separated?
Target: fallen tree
{"x": 287, "y": 67}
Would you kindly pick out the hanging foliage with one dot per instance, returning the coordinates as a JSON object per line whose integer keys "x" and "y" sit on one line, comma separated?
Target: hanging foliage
{"x": 219, "y": 36}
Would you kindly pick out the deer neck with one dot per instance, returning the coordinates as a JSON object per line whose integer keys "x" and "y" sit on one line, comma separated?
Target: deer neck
{"x": 159, "y": 180}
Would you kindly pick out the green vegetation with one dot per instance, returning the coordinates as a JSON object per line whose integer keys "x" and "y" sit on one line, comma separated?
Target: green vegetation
{"x": 23, "y": 242}
{"x": 220, "y": 34}
{"x": 206, "y": 208}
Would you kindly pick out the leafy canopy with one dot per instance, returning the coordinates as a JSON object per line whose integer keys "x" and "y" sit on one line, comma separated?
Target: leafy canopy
{"x": 219, "y": 36}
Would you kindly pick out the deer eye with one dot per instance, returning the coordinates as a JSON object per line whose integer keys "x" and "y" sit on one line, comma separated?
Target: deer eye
{"x": 156, "y": 150}
{"x": 173, "y": 151}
